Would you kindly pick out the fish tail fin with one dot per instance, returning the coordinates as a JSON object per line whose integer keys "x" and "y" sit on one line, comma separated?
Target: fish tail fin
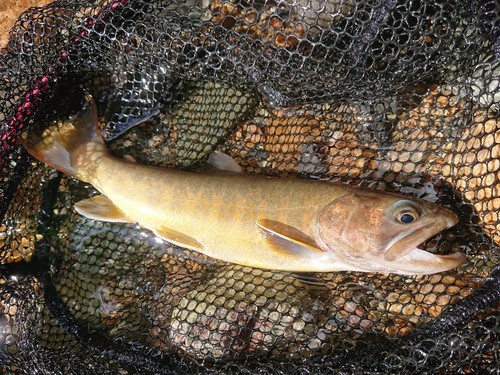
{"x": 72, "y": 145}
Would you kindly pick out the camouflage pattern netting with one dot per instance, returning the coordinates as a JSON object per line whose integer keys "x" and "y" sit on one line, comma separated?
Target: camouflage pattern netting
{"x": 402, "y": 96}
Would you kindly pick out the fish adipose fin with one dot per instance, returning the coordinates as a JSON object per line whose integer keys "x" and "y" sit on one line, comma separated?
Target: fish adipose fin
{"x": 288, "y": 240}
{"x": 178, "y": 238}
{"x": 101, "y": 208}
{"x": 224, "y": 162}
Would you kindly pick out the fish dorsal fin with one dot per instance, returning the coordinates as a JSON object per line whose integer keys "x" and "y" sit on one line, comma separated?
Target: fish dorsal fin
{"x": 224, "y": 162}
{"x": 178, "y": 238}
{"x": 100, "y": 207}
{"x": 288, "y": 240}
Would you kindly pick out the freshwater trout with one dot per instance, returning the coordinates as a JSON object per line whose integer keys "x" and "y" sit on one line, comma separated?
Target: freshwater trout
{"x": 281, "y": 224}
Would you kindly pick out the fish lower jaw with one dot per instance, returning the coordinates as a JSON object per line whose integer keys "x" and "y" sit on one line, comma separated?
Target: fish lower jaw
{"x": 421, "y": 262}
{"x": 415, "y": 262}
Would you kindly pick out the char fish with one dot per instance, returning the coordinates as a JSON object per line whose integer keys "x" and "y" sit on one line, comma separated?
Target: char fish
{"x": 272, "y": 223}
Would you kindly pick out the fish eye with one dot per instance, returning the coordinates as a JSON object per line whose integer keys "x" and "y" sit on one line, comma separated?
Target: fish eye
{"x": 407, "y": 218}
{"x": 406, "y": 213}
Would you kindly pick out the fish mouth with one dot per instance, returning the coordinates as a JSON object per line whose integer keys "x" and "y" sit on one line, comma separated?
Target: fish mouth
{"x": 411, "y": 259}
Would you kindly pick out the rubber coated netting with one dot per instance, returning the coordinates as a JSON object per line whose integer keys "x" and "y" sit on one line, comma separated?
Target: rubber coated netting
{"x": 395, "y": 95}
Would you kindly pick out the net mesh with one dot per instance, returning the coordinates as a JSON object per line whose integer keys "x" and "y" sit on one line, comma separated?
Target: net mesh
{"x": 401, "y": 96}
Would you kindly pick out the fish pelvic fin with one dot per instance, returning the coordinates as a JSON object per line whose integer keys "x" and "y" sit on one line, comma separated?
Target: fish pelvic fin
{"x": 287, "y": 240}
{"x": 72, "y": 145}
{"x": 101, "y": 208}
{"x": 178, "y": 238}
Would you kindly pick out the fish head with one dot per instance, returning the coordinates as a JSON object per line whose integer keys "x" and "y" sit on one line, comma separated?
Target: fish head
{"x": 380, "y": 232}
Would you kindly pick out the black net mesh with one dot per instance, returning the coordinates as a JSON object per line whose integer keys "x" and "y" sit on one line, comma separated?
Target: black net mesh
{"x": 401, "y": 96}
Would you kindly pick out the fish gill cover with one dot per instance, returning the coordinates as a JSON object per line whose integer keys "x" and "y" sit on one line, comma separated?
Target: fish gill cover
{"x": 401, "y": 96}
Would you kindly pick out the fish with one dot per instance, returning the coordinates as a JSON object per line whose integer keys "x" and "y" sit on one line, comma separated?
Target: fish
{"x": 281, "y": 224}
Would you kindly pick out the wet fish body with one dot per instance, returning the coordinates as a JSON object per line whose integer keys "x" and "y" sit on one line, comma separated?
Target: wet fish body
{"x": 282, "y": 224}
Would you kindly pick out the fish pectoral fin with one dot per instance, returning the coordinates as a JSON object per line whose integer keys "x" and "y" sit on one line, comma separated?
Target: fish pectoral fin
{"x": 224, "y": 162}
{"x": 100, "y": 207}
{"x": 287, "y": 240}
{"x": 312, "y": 282}
{"x": 178, "y": 238}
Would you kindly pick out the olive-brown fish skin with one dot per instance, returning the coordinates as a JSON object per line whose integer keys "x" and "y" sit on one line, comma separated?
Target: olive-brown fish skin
{"x": 282, "y": 224}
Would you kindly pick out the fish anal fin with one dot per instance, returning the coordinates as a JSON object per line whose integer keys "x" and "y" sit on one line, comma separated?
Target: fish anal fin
{"x": 224, "y": 162}
{"x": 288, "y": 240}
{"x": 101, "y": 208}
{"x": 178, "y": 238}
